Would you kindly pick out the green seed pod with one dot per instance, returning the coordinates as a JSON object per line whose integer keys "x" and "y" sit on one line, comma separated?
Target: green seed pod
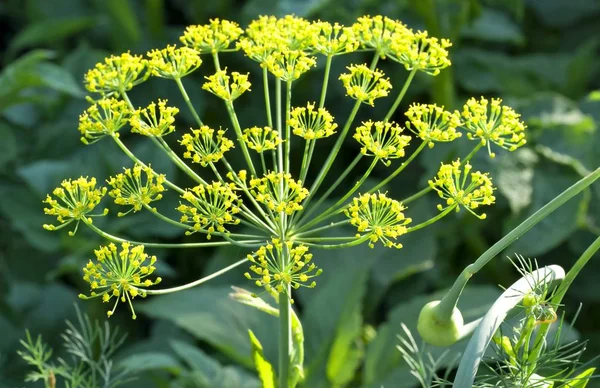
{"x": 438, "y": 333}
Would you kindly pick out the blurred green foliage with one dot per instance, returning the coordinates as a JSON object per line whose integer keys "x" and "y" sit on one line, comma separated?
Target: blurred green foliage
{"x": 540, "y": 56}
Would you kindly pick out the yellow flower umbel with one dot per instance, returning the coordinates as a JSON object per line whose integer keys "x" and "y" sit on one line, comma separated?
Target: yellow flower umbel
{"x": 119, "y": 274}
{"x": 117, "y": 74}
{"x": 173, "y": 62}
{"x": 288, "y": 65}
{"x": 149, "y": 122}
{"x": 214, "y": 37}
{"x": 451, "y": 185}
{"x": 432, "y": 123}
{"x": 499, "y": 124}
{"x": 422, "y": 53}
{"x": 275, "y": 277}
{"x": 261, "y": 139}
{"x": 203, "y": 147}
{"x": 104, "y": 118}
{"x": 364, "y": 84}
{"x": 382, "y": 139}
{"x": 330, "y": 40}
{"x": 310, "y": 123}
{"x": 267, "y": 190}
{"x": 219, "y": 85}
{"x": 131, "y": 189}
{"x": 212, "y": 207}
{"x": 76, "y": 199}
{"x": 379, "y": 33}
{"x": 379, "y": 217}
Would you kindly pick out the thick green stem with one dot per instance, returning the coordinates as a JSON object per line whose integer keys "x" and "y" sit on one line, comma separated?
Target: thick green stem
{"x": 113, "y": 238}
{"x": 238, "y": 132}
{"x": 196, "y": 282}
{"x": 267, "y": 97}
{"x": 431, "y": 221}
{"x": 325, "y": 81}
{"x": 288, "y": 138}
{"x": 285, "y": 329}
{"x": 411, "y": 75}
{"x": 417, "y": 195}
{"x": 186, "y": 98}
{"x": 445, "y": 308}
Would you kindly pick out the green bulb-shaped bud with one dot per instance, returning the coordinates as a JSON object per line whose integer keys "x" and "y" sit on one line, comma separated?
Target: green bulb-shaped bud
{"x": 437, "y": 332}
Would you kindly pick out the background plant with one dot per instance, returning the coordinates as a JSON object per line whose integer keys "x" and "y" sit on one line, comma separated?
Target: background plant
{"x": 522, "y": 52}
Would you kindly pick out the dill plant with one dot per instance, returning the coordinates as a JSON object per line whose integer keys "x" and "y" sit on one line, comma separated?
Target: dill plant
{"x": 271, "y": 194}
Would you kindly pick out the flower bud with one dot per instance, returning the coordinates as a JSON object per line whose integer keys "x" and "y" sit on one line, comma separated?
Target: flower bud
{"x": 436, "y": 332}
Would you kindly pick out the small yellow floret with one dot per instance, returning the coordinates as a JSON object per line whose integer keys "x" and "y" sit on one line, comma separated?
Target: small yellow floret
{"x": 310, "y": 123}
{"x": 379, "y": 33}
{"x": 131, "y": 189}
{"x": 382, "y": 139}
{"x": 104, "y": 118}
{"x": 364, "y": 84}
{"x": 117, "y": 74}
{"x": 211, "y": 38}
{"x": 173, "y": 62}
{"x": 219, "y": 84}
{"x": 267, "y": 190}
{"x": 149, "y": 122}
{"x": 421, "y": 52}
{"x": 203, "y": 147}
{"x": 433, "y": 124}
{"x": 330, "y": 40}
{"x": 261, "y": 139}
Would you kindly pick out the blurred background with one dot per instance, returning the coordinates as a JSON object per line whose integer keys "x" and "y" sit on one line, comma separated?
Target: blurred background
{"x": 541, "y": 57}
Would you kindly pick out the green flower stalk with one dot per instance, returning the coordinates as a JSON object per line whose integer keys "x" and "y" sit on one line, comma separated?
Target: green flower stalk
{"x": 274, "y": 194}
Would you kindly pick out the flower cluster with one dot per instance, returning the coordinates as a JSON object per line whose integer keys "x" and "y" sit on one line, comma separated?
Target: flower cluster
{"x": 268, "y": 191}
{"x": 269, "y": 35}
{"x": 382, "y": 139}
{"x": 120, "y": 274}
{"x": 131, "y": 189}
{"x": 497, "y": 124}
{"x": 432, "y": 123}
{"x": 364, "y": 84}
{"x": 212, "y": 207}
{"x": 379, "y": 218}
{"x": 212, "y": 38}
{"x": 76, "y": 199}
{"x": 148, "y": 122}
{"x": 379, "y": 33}
{"x": 103, "y": 118}
{"x": 310, "y": 123}
{"x": 219, "y": 85}
{"x": 333, "y": 39}
{"x": 421, "y": 52}
{"x": 261, "y": 139}
{"x": 203, "y": 147}
{"x": 117, "y": 74}
{"x": 276, "y": 276}
{"x": 289, "y": 65}
{"x": 451, "y": 185}
{"x": 173, "y": 62}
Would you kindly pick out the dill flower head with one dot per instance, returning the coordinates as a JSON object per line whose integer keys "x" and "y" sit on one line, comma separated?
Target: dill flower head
{"x": 147, "y": 122}
{"x": 382, "y": 139}
{"x": 261, "y": 139}
{"x": 216, "y": 36}
{"x": 269, "y": 272}
{"x": 364, "y": 84}
{"x": 212, "y": 207}
{"x": 379, "y": 33}
{"x": 131, "y": 189}
{"x": 203, "y": 147}
{"x": 219, "y": 85}
{"x": 451, "y": 185}
{"x": 432, "y": 123}
{"x": 269, "y": 34}
{"x": 379, "y": 217}
{"x": 421, "y": 52}
{"x": 117, "y": 74}
{"x": 310, "y": 123}
{"x": 267, "y": 190}
{"x": 288, "y": 65}
{"x": 333, "y": 39}
{"x": 103, "y": 118}
{"x": 75, "y": 199}
{"x": 120, "y": 274}
{"x": 497, "y": 123}
{"x": 173, "y": 62}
